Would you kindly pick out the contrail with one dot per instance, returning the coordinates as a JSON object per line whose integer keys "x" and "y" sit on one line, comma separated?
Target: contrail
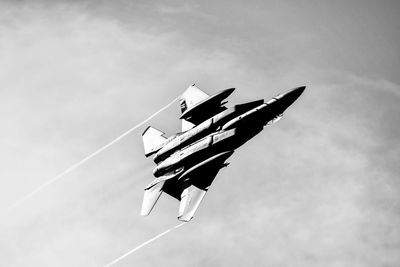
{"x": 79, "y": 163}
{"x": 143, "y": 244}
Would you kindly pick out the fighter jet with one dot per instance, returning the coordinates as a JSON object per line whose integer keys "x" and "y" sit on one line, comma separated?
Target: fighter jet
{"x": 188, "y": 162}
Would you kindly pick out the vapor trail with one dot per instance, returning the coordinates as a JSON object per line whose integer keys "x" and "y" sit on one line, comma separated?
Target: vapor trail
{"x": 79, "y": 163}
{"x": 143, "y": 244}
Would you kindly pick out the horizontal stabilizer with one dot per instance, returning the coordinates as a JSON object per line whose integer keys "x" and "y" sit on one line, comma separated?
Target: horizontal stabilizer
{"x": 190, "y": 200}
{"x": 151, "y": 194}
{"x": 201, "y": 177}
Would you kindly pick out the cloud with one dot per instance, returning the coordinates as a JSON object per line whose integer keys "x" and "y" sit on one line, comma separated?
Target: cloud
{"x": 317, "y": 188}
{"x": 176, "y": 9}
{"x": 72, "y": 82}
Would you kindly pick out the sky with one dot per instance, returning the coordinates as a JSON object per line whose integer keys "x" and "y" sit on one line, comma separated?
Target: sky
{"x": 319, "y": 188}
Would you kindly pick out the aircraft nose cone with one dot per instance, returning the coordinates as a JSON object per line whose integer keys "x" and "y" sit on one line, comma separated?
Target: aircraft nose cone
{"x": 289, "y": 97}
{"x": 283, "y": 101}
{"x": 295, "y": 93}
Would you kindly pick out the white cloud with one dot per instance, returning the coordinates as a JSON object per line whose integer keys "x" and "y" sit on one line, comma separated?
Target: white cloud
{"x": 305, "y": 188}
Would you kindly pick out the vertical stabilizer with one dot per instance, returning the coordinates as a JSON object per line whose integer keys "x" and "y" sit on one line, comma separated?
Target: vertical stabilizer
{"x": 188, "y": 99}
{"x": 153, "y": 140}
{"x": 191, "y": 97}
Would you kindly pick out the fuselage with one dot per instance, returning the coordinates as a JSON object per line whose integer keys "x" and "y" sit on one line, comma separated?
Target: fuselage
{"x": 205, "y": 128}
{"x": 225, "y": 131}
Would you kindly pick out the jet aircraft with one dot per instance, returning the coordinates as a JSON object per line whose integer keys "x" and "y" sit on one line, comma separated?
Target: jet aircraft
{"x": 188, "y": 162}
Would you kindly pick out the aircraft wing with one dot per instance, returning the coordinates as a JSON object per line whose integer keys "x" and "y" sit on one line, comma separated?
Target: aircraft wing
{"x": 194, "y": 184}
{"x": 190, "y": 192}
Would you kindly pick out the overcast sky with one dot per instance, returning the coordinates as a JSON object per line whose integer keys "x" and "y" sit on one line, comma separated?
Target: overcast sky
{"x": 319, "y": 188}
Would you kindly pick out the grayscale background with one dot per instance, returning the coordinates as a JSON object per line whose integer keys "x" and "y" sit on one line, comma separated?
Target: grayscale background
{"x": 319, "y": 188}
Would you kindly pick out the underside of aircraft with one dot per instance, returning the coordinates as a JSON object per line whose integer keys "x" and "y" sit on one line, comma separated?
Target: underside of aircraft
{"x": 188, "y": 162}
